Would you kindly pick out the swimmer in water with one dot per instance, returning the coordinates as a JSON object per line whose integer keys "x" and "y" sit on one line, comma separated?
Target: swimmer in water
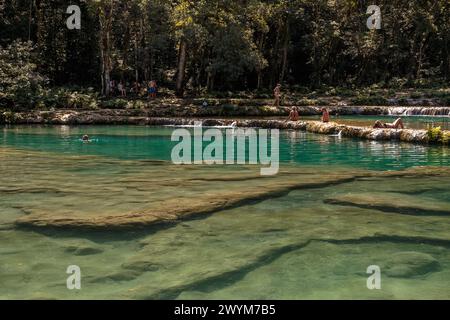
{"x": 86, "y": 139}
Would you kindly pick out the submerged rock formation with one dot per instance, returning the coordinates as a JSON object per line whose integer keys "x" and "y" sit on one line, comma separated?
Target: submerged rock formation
{"x": 141, "y": 194}
{"x": 410, "y": 264}
{"x": 390, "y": 202}
{"x": 289, "y": 244}
{"x": 206, "y": 196}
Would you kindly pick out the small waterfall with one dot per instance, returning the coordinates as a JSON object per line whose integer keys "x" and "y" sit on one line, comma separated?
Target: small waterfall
{"x": 419, "y": 111}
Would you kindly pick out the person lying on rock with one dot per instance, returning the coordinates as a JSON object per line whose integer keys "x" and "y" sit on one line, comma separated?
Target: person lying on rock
{"x": 294, "y": 115}
{"x": 397, "y": 124}
{"x": 325, "y": 115}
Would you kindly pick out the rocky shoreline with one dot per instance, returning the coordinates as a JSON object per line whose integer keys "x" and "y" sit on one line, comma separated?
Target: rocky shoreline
{"x": 172, "y": 109}
{"x": 148, "y": 117}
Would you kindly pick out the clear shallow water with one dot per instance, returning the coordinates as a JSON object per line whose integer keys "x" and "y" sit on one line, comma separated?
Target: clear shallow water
{"x": 311, "y": 242}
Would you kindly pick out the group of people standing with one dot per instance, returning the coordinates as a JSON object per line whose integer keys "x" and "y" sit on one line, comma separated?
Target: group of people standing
{"x": 138, "y": 89}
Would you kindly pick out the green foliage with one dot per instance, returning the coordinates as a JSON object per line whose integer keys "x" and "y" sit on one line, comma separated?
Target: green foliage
{"x": 437, "y": 135}
{"x": 76, "y": 100}
{"x": 66, "y": 56}
{"x": 8, "y": 117}
{"x": 446, "y": 138}
{"x": 20, "y": 84}
{"x": 232, "y": 46}
{"x": 115, "y": 104}
{"x": 228, "y": 109}
{"x": 71, "y": 98}
{"x": 364, "y": 100}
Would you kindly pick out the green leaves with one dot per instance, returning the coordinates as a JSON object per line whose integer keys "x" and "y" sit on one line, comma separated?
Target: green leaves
{"x": 437, "y": 135}
{"x": 20, "y": 84}
{"x": 229, "y": 44}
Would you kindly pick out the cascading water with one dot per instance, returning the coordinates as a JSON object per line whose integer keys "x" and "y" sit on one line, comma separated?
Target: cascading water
{"x": 419, "y": 111}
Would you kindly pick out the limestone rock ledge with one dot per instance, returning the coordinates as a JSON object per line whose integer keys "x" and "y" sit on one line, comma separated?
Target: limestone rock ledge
{"x": 147, "y": 117}
{"x": 406, "y": 135}
{"x": 206, "y": 196}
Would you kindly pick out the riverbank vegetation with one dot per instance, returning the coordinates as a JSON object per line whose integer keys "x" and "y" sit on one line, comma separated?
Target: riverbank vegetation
{"x": 216, "y": 51}
{"x": 437, "y": 135}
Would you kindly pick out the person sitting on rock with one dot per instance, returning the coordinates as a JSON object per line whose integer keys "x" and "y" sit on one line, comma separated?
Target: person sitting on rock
{"x": 294, "y": 115}
{"x": 325, "y": 115}
{"x": 397, "y": 124}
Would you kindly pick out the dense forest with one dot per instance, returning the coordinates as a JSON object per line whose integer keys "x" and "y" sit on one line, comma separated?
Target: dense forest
{"x": 211, "y": 45}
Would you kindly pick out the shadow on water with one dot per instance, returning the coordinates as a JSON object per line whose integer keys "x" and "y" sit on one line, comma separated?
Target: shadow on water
{"x": 99, "y": 236}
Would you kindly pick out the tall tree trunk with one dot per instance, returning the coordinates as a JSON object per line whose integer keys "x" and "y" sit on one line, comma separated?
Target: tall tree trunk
{"x": 151, "y": 63}
{"x": 446, "y": 59}
{"x": 105, "y": 17}
{"x": 285, "y": 53}
{"x": 420, "y": 57}
{"x": 136, "y": 59}
{"x": 181, "y": 68}
{"x": 210, "y": 81}
{"x": 275, "y": 60}
{"x": 259, "y": 69}
{"x": 126, "y": 41}
{"x": 259, "y": 80}
{"x": 30, "y": 19}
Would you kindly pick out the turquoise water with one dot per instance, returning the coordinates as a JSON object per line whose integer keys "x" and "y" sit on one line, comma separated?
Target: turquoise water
{"x": 149, "y": 143}
{"x": 336, "y": 207}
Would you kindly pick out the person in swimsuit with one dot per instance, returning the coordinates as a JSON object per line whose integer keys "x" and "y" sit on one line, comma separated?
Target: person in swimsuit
{"x": 294, "y": 115}
{"x": 325, "y": 115}
{"x": 397, "y": 124}
{"x": 122, "y": 89}
{"x": 277, "y": 95}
